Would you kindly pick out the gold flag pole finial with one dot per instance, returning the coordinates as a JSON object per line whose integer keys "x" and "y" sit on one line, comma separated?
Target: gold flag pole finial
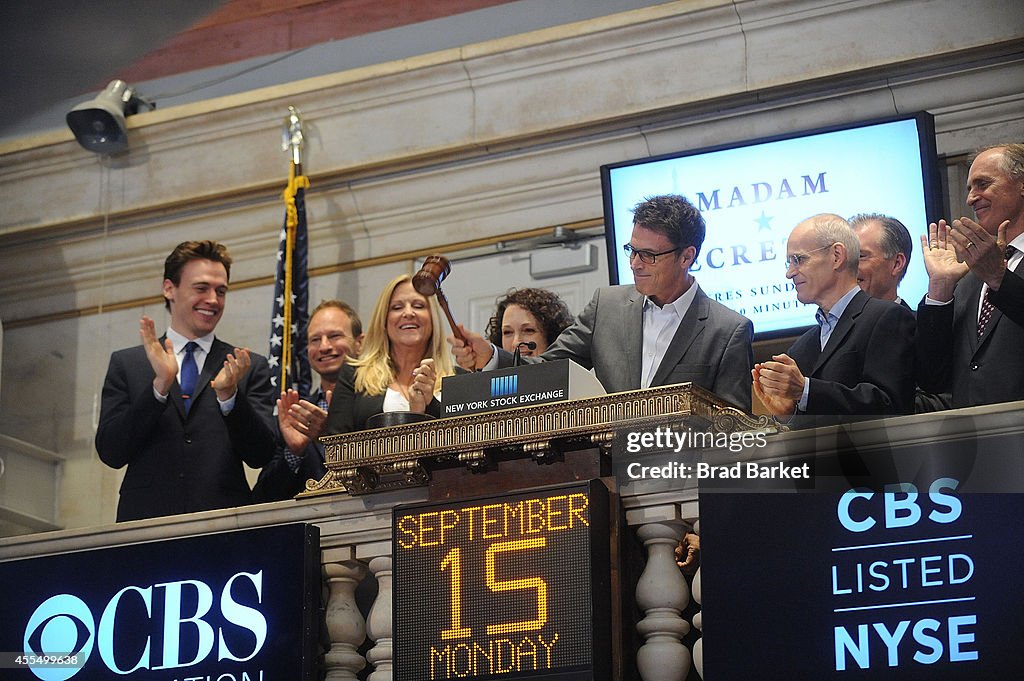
{"x": 291, "y": 137}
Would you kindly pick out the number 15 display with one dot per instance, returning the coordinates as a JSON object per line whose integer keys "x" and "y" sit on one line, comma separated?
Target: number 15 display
{"x": 511, "y": 587}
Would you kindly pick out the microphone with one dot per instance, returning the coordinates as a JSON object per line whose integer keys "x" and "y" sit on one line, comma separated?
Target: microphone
{"x": 517, "y": 358}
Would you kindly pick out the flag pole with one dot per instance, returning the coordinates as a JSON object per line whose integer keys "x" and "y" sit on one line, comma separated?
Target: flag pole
{"x": 292, "y": 140}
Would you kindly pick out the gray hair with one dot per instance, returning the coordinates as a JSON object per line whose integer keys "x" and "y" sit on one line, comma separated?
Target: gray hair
{"x": 829, "y": 229}
{"x": 1011, "y": 161}
{"x": 895, "y": 236}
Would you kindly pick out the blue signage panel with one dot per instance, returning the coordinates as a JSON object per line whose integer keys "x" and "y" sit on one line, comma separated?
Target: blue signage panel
{"x": 229, "y": 606}
{"x": 753, "y": 193}
{"x": 902, "y": 565}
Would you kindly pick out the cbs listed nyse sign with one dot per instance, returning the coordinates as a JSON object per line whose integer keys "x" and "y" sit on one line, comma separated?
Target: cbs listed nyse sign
{"x": 231, "y": 606}
{"x": 928, "y": 580}
{"x": 898, "y": 563}
{"x": 515, "y": 586}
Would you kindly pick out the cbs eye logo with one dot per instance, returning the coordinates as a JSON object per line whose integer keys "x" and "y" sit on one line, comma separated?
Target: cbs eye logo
{"x": 61, "y": 625}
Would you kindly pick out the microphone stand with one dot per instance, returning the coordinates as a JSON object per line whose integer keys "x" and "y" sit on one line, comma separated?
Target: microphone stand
{"x": 517, "y": 357}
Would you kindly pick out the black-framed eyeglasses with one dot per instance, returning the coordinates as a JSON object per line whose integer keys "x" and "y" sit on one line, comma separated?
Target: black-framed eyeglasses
{"x": 645, "y": 256}
{"x": 797, "y": 259}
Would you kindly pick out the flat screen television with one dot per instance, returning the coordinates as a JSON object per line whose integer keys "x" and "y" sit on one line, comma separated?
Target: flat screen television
{"x": 753, "y": 193}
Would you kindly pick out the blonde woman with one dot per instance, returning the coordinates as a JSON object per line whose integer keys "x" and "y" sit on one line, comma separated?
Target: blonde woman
{"x": 403, "y": 361}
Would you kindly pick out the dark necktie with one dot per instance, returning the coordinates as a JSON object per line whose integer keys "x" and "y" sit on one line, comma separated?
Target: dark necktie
{"x": 987, "y": 308}
{"x": 189, "y": 374}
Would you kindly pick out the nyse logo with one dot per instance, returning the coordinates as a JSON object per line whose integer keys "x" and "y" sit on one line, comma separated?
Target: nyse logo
{"x": 504, "y": 385}
{"x": 64, "y": 625}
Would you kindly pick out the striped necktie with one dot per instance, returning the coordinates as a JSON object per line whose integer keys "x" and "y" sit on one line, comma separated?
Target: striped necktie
{"x": 987, "y": 308}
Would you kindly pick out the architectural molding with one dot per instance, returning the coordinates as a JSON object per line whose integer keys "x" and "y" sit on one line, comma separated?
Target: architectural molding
{"x": 518, "y": 92}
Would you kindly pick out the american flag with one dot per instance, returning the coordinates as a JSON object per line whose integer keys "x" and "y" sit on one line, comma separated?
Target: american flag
{"x": 289, "y": 365}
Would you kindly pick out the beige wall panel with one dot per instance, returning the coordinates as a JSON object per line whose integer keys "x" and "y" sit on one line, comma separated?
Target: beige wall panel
{"x": 838, "y": 37}
{"x": 609, "y": 74}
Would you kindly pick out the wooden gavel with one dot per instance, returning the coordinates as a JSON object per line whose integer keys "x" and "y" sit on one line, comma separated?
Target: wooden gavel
{"x": 427, "y": 282}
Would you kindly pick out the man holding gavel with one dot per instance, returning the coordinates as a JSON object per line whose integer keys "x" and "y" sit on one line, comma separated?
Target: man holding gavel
{"x": 661, "y": 331}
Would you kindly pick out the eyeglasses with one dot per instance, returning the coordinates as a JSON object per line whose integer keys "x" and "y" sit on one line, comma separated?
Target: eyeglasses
{"x": 645, "y": 256}
{"x": 795, "y": 261}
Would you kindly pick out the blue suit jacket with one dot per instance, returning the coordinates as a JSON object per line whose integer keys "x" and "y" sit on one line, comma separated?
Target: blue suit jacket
{"x": 179, "y": 464}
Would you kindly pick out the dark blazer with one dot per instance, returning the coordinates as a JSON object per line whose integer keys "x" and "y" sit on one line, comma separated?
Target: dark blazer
{"x": 178, "y": 464}
{"x": 924, "y": 401}
{"x": 951, "y": 356}
{"x": 350, "y": 409}
{"x": 866, "y": 368}
{"x": 277, "y": 481}
{"x": 711, "y": 347}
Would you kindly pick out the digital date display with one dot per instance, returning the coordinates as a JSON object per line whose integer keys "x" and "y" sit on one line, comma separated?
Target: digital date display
{"x": 509, "y": 587}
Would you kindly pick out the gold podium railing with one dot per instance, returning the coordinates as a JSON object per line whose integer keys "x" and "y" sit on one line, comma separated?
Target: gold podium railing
{"x": 394, "y": 457}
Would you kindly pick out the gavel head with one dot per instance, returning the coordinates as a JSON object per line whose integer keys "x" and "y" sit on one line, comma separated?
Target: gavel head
{"x": 427, "y": 281}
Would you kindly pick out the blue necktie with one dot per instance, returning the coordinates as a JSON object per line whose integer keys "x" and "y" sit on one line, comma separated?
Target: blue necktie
{"x": 189, "y": 374}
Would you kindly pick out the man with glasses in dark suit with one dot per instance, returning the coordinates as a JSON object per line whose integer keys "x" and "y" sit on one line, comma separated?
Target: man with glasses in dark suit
{"x": 662, "y": 330}
{"x": 859, "y": 359}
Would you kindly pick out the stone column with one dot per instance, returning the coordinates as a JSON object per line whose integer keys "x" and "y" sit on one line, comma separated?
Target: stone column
{"x": 662, "y": 594}
{"x": 698, "y": 619}
{"x": 345, "y": 624}
{"x": 379, "y": 622}
{"x": 698, "y": 622}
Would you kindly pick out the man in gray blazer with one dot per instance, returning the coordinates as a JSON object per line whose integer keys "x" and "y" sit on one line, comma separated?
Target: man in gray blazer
{"x": 662, "y": 330}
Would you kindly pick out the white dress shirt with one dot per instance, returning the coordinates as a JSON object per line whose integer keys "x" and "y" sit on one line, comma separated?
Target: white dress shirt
{"x": 660, "y": 325}
{"x": 199, "y": 354}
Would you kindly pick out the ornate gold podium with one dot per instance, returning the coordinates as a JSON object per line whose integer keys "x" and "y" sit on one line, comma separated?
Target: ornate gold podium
{"x": 404, "y": 456}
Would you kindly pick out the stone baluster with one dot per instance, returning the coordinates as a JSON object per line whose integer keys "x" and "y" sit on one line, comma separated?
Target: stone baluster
{"x": 662, "y": 594}
{"x": 698, "y": 620}
{"x": 698, "y": 647}
{"x": 379, "y": 622}
{"x": 345, "y": 624}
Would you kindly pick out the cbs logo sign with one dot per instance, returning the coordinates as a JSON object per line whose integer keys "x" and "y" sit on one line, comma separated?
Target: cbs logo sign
{"x": 64, "y": 625}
